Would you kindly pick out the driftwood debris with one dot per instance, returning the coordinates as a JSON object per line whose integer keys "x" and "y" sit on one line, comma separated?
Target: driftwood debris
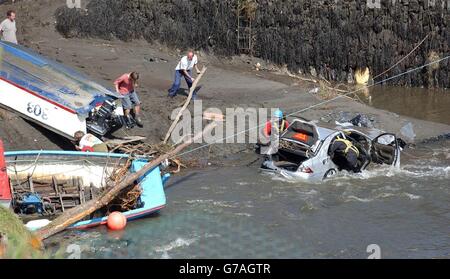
{"x": 75, "y": 214}
{"x": 112, "y": 143}
{"x": 188, "y": 100}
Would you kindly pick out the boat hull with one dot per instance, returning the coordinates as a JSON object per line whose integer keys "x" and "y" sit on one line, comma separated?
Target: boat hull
{"x": 153, "y": 197}
{"x": 55, "y": 96}
{"x": 152, "y": 183}
{"x": 40, "y": 110}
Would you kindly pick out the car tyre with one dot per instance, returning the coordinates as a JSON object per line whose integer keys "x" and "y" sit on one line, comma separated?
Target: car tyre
{"x": 330, "y": 173}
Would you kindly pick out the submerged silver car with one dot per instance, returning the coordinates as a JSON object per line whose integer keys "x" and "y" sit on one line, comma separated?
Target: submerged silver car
{"x": 304, "y": 149}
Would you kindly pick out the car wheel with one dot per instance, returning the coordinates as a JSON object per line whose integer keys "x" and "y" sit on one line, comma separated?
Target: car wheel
{"x": 330, "y": 173}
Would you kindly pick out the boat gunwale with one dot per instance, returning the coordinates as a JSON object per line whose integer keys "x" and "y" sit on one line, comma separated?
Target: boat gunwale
{"x": 66, "y": 153}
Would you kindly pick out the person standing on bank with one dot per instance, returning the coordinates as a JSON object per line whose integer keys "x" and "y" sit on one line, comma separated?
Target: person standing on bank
{"x": 184, "y": 69}
{"x": 125, "y": 85}
{"x": 8, "y": 28}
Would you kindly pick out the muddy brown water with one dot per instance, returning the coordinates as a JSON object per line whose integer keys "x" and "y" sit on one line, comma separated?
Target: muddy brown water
{"x": 239, "y": 212}
{"x": 426, "y": 104}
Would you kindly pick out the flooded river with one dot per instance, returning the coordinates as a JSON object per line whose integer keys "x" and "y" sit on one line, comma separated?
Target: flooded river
{"x": 427, "y": 104}
{"x": 242, "y": 213}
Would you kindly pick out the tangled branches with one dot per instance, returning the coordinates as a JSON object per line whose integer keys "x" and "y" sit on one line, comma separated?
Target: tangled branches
{"x": 127, "y": 200}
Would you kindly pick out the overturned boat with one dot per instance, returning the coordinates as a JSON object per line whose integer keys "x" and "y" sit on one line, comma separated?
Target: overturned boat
{"x": 304, "y": 150}
{"x": 55, "y": 96}
{"x": 43, "y": 184}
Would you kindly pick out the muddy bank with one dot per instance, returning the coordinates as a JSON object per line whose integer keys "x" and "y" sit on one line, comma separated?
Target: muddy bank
{"x": 324, "y": 38}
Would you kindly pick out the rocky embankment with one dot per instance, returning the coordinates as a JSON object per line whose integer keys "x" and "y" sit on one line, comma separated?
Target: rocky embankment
{"x": 327, "y": 38}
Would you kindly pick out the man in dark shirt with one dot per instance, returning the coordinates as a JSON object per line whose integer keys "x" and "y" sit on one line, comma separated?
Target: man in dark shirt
{"x": 345, "y": 155}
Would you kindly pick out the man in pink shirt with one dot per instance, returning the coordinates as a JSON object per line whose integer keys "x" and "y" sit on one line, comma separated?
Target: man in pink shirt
{"x": 125, "y": 85}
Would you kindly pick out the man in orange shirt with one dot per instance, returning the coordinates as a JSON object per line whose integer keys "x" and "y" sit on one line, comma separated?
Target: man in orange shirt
{"x": 125, "y": 85}
{"x": 281, "y": 124}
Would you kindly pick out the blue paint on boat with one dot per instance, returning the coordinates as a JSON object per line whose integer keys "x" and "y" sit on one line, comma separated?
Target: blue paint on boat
{"x": 152, "y": 183}
{"x": 153, "y": 197}
{"x": 64, "y": 153}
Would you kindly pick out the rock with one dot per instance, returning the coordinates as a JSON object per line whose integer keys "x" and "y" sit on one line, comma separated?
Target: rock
{"x": 313, "y": 71}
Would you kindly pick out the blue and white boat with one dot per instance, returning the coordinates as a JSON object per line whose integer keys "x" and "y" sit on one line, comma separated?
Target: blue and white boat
{"x": 55, "y": 96}
{"x": 37, "y": 178}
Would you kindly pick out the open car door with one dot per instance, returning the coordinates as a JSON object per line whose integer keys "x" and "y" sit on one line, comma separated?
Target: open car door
{"x": 385, "y": 150}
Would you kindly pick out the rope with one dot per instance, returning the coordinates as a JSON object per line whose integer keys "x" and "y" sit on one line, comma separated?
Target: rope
{"x": 401, "y": 60}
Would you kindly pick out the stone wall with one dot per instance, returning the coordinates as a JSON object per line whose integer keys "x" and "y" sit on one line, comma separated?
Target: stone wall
{"x": 329, "y": 37}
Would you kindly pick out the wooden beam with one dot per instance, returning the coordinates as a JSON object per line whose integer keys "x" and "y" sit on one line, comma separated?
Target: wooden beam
{"x": 55, "y": 185}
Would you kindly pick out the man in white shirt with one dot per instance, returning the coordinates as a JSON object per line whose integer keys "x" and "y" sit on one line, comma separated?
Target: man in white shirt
{"x": 8, "y": 28}
{"x": 184, "y": 68}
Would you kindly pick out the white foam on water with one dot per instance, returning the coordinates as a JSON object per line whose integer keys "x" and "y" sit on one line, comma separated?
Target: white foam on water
{"x": 243, "y": 214}
{"x": 426, "y": 171}
{"x": 165, "y": 256}
{"x": 411, "y": 171}
{"x": 411, "y": 196}
{"x": 249, "y": 204}
{"x": 177, "y": 243}
{"x": 311, "y": 192}
{"x": 341, "y": 183}
{"x": 277, "y": 177}
{"x": 388, "y": 188}
{"x": 355, "y": 198}
{"x": 306, "y": 194}
{"x": 384, "y": 195}
{"x": 211, "y": 235}
{"x": 214, "y": 203}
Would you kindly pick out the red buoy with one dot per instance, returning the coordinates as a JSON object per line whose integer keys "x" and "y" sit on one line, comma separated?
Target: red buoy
{"x": 5, "y": 190}
{"x": 116, "y": 221}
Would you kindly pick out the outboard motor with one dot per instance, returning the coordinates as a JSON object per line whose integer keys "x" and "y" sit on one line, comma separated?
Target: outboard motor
{"x": 105, "y": 120}
{"x": 30, "y": 203}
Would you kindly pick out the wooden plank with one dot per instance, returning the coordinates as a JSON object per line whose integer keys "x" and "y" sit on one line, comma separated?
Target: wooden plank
{"x": 213, "y": 116}
{"x": 188, "y": 100}
{"x": 73, "y": 196}
{"x": 80, "y": 190}
{"x": 12, "y": 193}
{"x": 91, "y": 189}
{"x": 124, "y": 140}
{"x": 30, "y": 183}
{"x": 55, "y": 184}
